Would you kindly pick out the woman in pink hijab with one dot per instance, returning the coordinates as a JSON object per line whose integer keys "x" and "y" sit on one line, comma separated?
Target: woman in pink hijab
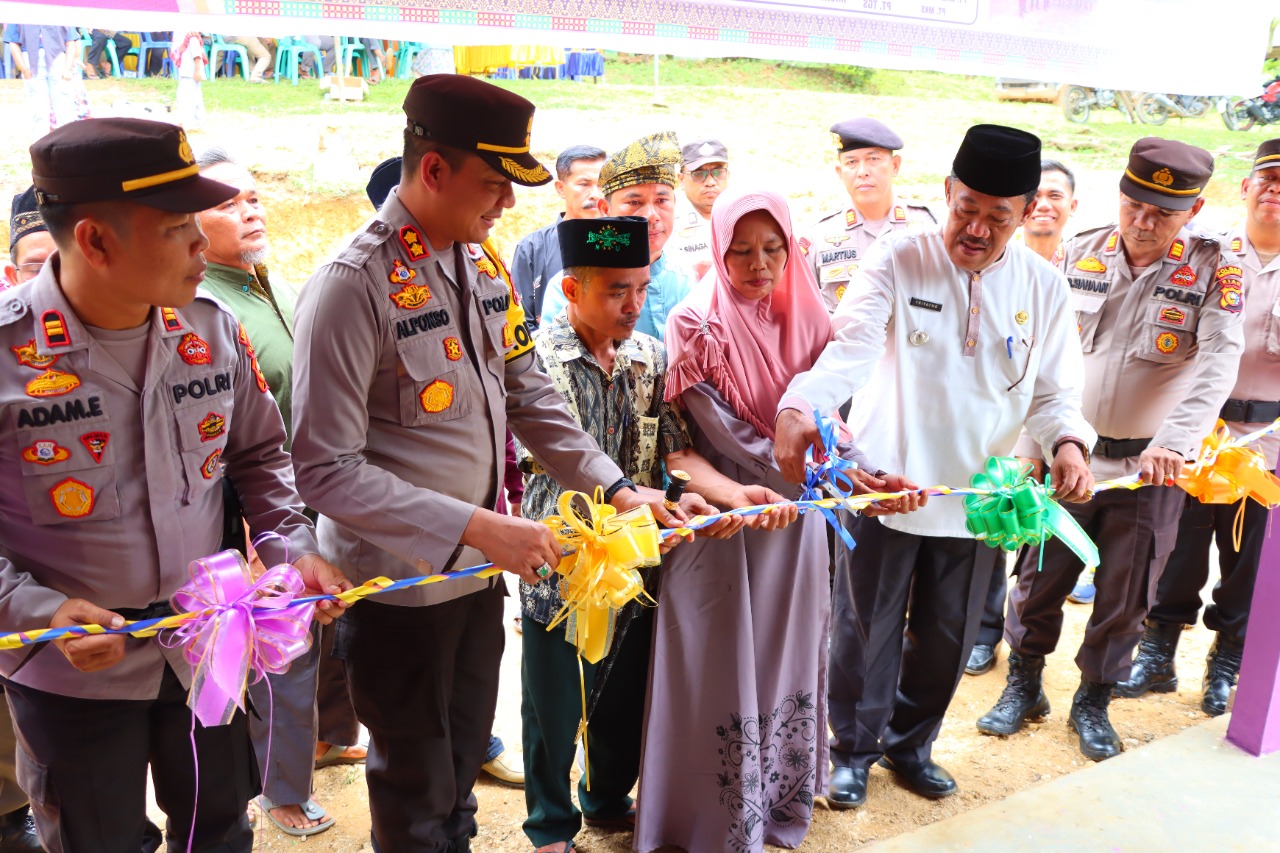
{"x": 735, "y": 729}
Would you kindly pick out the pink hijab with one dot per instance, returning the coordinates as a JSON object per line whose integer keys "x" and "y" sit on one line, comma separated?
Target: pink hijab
{"x": 748, "y": 349}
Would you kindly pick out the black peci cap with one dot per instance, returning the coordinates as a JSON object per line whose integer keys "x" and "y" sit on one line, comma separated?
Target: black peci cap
{"x": 384, "y": 178}
{"x": 1166, "y": 173}
{"x": 479, "y": 117}
{"x": 24, "y": 218}
{"x": 122, "y": 159}
{"x": 998, "y": 161}
{"x": 617, "y": 242}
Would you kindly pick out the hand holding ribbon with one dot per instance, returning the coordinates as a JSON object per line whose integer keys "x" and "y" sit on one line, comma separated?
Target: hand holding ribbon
{"x": 830, "y": 475}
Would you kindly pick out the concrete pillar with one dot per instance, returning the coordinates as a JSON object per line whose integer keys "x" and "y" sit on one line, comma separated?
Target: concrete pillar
{"x": 1255, "y": 719}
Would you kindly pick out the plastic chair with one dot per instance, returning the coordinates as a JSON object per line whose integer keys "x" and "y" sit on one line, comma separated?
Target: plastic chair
{"x": 231, "y": 53}
{"x": 352, "y": 49}
{"x": 143, "y": 51}
{"x": 404, "y": 58}
{"x": 289, "y": 53}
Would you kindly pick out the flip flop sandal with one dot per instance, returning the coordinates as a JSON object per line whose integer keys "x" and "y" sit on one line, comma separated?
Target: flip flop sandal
{"x": 336, "y": 754}
{"x": 626, "y": 823}
{"x": 310, "y": 809}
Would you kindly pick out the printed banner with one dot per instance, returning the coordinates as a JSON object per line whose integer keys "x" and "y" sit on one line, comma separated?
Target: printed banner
{"x": 1175, "y": 46}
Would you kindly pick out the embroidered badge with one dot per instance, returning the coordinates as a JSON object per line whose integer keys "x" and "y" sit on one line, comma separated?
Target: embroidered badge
{"x": 608, "y": 239}
{"x": 436, "y": 397}
{"x": 1167, "y": 342}
{"x": 213, "y": 426}
{"x": 833, "y": 272}
{"x": 840, "y": 291}
{"x": 244, "y": 340}
{"x": 1021, "y": 318}
{"x": 52, "y": 383}
{"x": 72, "y": 498}
{"x": 1163, "y": 177}
{"x": 838, "y": 240}
{"x": 28, "y": 356}
{"x": 170, "y": 319}
{"x": 1176, "y": 250}
{"x": 55, "y": 329}
{"x": 1183, "y": 276}
{"x": 1232, "y": 299}
{"x": 193, "y": 350}
{"x": 1236, "y": 244}
{"x": 257, "y": 375}
{"x": 850, "y": 218}
{"x": 452, "y": 349}
{"x": 210, "y": 465}
{"x": 1175, "y": 316}
{"x": 411, "y": 296}
{"x": 804, "y": 244}
{"x": 486, "y": 266}
{"x": 96, "y": 443}
{"x": 400, "y": 274}
{"x": 1223, "y": 272}
{"x": 1112, "y": 242}
{"x": 46, "y": 452}
{"x": 412, "y": 242}
{"x": 508, "y": 339}
{"x": 1091, "y": 264}
{"x": 1058, "y": 254}
{"x": 899, "y": 215}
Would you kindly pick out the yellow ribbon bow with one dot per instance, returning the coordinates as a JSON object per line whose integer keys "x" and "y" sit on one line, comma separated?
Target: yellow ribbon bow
{"x": 1225, "y": 472}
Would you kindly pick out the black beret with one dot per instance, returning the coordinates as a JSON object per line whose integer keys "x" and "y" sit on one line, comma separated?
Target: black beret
{"x": 617, "y": 242}
{"x": 998, "y": 161}
{"x": 123, "y": 159}
{"x": 864, "y": 133}
{"x": 479, "y": 117}
{"x": 1166, "y": 173}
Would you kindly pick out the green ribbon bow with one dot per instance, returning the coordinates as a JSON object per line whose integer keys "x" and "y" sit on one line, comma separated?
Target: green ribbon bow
{"x": 1019, "y": 511}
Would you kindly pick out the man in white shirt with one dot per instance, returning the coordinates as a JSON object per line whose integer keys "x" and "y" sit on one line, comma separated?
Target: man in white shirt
{"x": 961, "y": 339}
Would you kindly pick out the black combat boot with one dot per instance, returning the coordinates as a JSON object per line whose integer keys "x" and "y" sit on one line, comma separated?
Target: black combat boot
{"x": 18, "y": 832}
{"x": 1023, "y": 697}
{"x": 1153, "y": 665}
{"x": 1220, "y": 675}
{"x": 1098, "y": 740}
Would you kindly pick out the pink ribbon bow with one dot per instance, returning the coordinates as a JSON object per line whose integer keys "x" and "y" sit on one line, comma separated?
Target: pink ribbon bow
{"x": 246, "y": 627}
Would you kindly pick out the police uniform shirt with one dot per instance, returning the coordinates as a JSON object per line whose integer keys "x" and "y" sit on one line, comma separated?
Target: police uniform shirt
{"x": 838, "y": 243}
{"x": 1161, "y": 348}
{"x": 410, "y": 363}
{"x": 113, "y": 489}
{"x": 1259, "y": 375}
{"x": 956, "y": 362}
{"x": 690, "y": 244}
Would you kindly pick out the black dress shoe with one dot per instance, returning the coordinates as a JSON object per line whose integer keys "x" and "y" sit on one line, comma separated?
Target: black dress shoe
{"x": 926, "y": 778}
{"x": 848, "y": 788}
{"x": 18, "y": 832}
{"x": 981, "y": 659}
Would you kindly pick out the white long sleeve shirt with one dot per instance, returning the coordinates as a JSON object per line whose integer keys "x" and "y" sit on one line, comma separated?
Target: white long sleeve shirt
{"x": 953, "y": 364}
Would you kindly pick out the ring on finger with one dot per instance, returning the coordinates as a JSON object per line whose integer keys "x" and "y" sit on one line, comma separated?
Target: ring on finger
{"x": 544, "y": 570}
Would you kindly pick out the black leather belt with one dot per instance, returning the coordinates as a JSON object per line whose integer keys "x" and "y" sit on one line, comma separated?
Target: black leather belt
{"x": 1120, "y": 448}
{"x": 155, "y": 610}
{"x": 1250, "y": 411}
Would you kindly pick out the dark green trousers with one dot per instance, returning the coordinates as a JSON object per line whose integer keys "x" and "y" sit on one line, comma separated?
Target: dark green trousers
{"x": 551, "y": 709}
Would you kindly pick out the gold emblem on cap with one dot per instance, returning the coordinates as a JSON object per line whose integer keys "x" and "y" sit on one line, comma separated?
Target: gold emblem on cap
{"x": 1022, "y": 317}
{"x": 1163, "y": 177}
{"x": 184, "y": 148}
{"x": 522, "y": 173}
{"x": 839, "y": 143}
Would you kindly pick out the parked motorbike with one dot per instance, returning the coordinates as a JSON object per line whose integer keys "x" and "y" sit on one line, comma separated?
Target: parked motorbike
{"x": 1078, "y": 101}
{"x": 1155, "y": 107}
{"x": 1244, "y": 113}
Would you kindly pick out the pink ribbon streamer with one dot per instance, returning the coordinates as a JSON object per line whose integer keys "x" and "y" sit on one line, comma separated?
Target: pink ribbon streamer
{"x": 247, "y": 628}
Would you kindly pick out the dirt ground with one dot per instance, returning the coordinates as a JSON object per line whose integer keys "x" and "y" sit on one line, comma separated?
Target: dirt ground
{"x": 309, "y": 215}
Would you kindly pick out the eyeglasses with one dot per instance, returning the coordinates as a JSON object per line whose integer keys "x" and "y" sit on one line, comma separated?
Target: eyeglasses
{"x": 26, "y": 272}
{"x": 701, "y": 175}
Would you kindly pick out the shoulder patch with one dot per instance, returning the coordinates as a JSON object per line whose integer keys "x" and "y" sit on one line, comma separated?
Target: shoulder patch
{"x": 362, "y": 245}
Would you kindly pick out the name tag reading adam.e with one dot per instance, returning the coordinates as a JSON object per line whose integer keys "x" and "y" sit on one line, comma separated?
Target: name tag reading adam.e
{"x": 917, "y": 302}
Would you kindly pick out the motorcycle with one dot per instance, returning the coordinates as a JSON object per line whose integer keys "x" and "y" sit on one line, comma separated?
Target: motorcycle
{"x": 1077, "y": 101}
{"x": 1244, "y": 113}
{"x": 1155, "y": 107}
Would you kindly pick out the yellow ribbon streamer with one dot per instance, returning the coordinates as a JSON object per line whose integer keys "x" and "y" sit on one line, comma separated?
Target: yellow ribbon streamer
{"x": 1226, "y": 471}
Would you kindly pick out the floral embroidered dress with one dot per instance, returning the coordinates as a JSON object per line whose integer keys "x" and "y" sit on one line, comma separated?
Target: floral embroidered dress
{"x": 736, "y": 726}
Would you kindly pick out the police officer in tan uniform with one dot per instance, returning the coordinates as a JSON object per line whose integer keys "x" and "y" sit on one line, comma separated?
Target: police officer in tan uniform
{"x": 124, "y": 399}
{"x": 1161, "y": 324}
{"x": 866, "y": 162}
{"x": 411, "y": 361}
{"x": 1253, "y": 248}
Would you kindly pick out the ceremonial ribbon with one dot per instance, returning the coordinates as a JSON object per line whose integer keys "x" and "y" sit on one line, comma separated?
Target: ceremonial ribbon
{"x": 1226, "y": 472}
{"x": 240, "y": 628}
{"x": 1009, "y": 509}
{"x": 599, "y": 577}
{"x": 828, "y": 476}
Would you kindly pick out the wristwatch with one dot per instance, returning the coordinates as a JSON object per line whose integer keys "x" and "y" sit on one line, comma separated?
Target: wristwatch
{"x": 623, "y": 483}
{"x": 1088, "y": 454}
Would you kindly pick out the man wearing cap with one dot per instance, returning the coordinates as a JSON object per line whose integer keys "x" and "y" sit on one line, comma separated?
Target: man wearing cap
{"x": 129, "y": 397}
{"x": 705, "y": 175}
{"x": 962, "y": 337}
{"x": 1160, "y": 317}
{"x": 29, "y": 242}
{"x": 1252, "y": 247}
{"x": 866, "y": 163}
{"x": 537, "y": 257}
{"x": 411, "y": 358}
{"x": 640, "y": 180}
{"x": 612, "y": 379}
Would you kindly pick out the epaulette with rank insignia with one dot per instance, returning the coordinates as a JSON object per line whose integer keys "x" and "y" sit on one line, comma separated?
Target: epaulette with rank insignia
{"x": 358, "y": 250}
